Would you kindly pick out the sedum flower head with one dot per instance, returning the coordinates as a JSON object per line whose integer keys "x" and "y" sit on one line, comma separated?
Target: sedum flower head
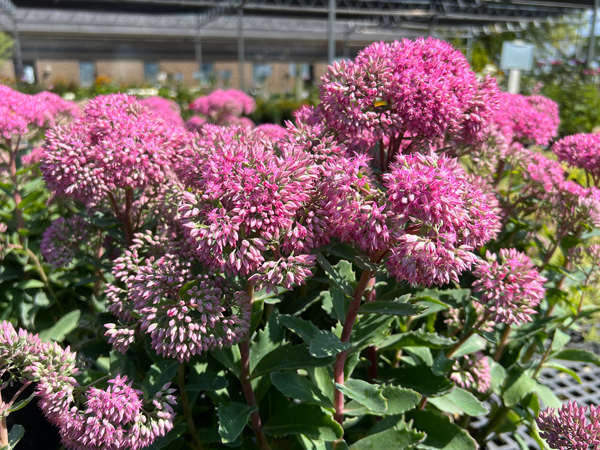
{"x": 166, "y": 109}
{"x": 184, "y": 313}
{"x": 424, "y": 88}
{"x": 62, "y": 239}
{"x": 224, "y": 107}
{"x": 571, "y": 427}
{"x": 528, "y": 120}
{"x": 580, "y": 150}
{"x": 511, "y": 286}
{"x": 472, "y": 372}
{"x": 116, "y": 144}
{"x": 271, "y": 131}
{"x": 444, "y": 214}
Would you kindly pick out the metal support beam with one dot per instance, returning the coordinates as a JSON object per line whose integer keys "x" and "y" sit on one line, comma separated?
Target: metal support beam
{"x": 470, "y": 47}
{"x": 331, "y": 31}
{"x": 592, "y": 47}
{"x": 240, "y": 24}
{"x": 198, "y": 46}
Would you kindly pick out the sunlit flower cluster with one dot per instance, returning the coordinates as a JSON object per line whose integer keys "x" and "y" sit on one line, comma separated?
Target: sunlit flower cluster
{"x": 472, "y": 372}
{"x": 511, "y": 286}
{"x": 167, "y": 110}
{"x": 225, "y": 107}
{"x": 580, "y": 150}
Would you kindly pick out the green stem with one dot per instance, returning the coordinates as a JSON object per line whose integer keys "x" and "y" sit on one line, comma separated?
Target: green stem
{"x": 466, "y": 336}
{"x": 493, "y": 424}
{"x": 186, "y": 408}
{"x": 502, "y": 344}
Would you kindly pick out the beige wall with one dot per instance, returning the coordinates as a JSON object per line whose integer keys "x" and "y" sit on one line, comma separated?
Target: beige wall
{"x": 7, "y": 70}
{"x": 57, "y": 70}
{"x": 121, "y": 71}
{"x": 185, "y": 68}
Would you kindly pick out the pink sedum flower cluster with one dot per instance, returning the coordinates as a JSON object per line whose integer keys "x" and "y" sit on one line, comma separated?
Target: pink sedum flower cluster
{"x": 117, "y": 144}
{"x": 22, "y": 114}
{"x": 225, "y": 107}
{"x": 580, "y": 150}
{"x": 116, "y": 418}
{"x": 63, "y": 238}
{"x": 472, "y": 372}
{"x": 423, "y": 88}
{"x": 184, "y": 313}
{"x": 528, "y": 120}
{"x": 166, "y": 109}
{"x": 571, "y": 427}
{"x": 511, "y": 286}
{"x": 445, "y": 218}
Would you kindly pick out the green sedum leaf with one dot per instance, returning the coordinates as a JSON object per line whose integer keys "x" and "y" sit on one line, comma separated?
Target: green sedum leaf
{"x": 233, "y": 417}
{"x": 303, "y": 328}
{"x": 518, "y": 385}
{"x": 310, "y": 420}
{"x": 573, "y": 354}
{"x": 467, "y": 402}
{"x": 441, "y": 434}
{"x": 325, "y": 344}
{"x": 16, "y": 434}
{"x": 399, "y": 307}
{"x": 421, "y": 379}
{"x": 301, "y": 388}
{"x": 366, "y": 394}
{"x": 335, "y": 276}
{"x": 399, "y": 399}
{"x": 289, "y": 357}
{"x": 159, "y": 374}
{"x": 394, "y": 438}
{"x": 60, "y": 329}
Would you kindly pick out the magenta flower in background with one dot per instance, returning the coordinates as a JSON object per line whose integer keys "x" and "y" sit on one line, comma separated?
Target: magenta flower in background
{"x": 445, "y": 218}
{"x": 166, "y": 109}
{"x": 511, "y": 286}
{"x": 571, "y": 427}
{"x": 63, "y": 239}
{"x": 271, "y": 131}
{"x": 472, "y": 372}
{"x": 581, "y": 150}
{"x": 116, "y": 144}
{"x": 34, "y": 157}
{"x": 528, "y": 120}
{"x": 225, "y": 107}
{"x": 195, "y": 123}
{"x": 423, "y": 88}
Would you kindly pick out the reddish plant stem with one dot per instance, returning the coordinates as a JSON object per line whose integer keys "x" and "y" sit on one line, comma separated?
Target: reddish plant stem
{"x": 3, "y": 432}
{"x": 373, "y": 370}
{"x": 340, "y": 362}
{"x": 422, "y": 403}
{"x": 261, "y": 439}
{"x": 499, "y": 173}
{"x": 502, "y": 344}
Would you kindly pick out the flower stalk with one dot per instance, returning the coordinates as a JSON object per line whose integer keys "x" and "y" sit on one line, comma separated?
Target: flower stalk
{"x": 186, "y": 407}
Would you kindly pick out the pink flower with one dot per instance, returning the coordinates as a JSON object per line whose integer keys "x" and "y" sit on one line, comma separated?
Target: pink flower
{"x": 34, "y": 157}
{"x": 167, "y": 110}
{"x": 195, "y": 123}
{"x": 283, "y": 272}
{"x": 424, "y": 88}
{"x": 184, "y": 313}
{"x": 271, "y": 131}
{"x": 224, "y": 107}
{"x": 571, "y": 427}
{"x": 511, "y": 287}
{"x": 445, "y": 217}
{"x": 581, "y": 150}
{"x": 117, "y": 144}
{"x": 528, "y": 120}
{"x": 472, "y": 372}
{"x": 63, "y": 239}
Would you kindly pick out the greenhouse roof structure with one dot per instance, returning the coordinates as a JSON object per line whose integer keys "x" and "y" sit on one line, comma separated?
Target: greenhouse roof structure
{"x": 273, "y": 21}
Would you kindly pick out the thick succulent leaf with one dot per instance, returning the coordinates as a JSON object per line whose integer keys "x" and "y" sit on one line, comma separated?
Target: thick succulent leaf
{"x": 310, "y": 420}
{"x": 289, "y": 357}
{"x": 441, "y": 434}
{"x": 325, "y": 344}
{"x": 301, "y": 388}
{"x": 397, "y": 439}
{"x": 366, "y": 394}
{"x": 233, "y": 417}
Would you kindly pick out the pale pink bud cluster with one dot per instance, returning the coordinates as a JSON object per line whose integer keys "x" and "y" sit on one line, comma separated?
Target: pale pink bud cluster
{"x": 456, "y": 317}
{"x": 34, "y": 157}
{"x": 117, "y": 144}
{"x": 166, "y": 109}
{"x": 283, "y": 272}
{"x": 472, "y": 372}
{"x": 114, "y": 419}
{"x": 184, "y": 313}
{"x": 424, "y": 88}
{"x": 445, "y": 218}
{"x": 225, "y": 107}
{"x": 117, "y": 418}
{"x": 571, "y": 427}
{"x": 580, "y": 150}
{"x": 62, "y": 240}
{"x": 528, "y": 120}
{"x": 511, "y": 286}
